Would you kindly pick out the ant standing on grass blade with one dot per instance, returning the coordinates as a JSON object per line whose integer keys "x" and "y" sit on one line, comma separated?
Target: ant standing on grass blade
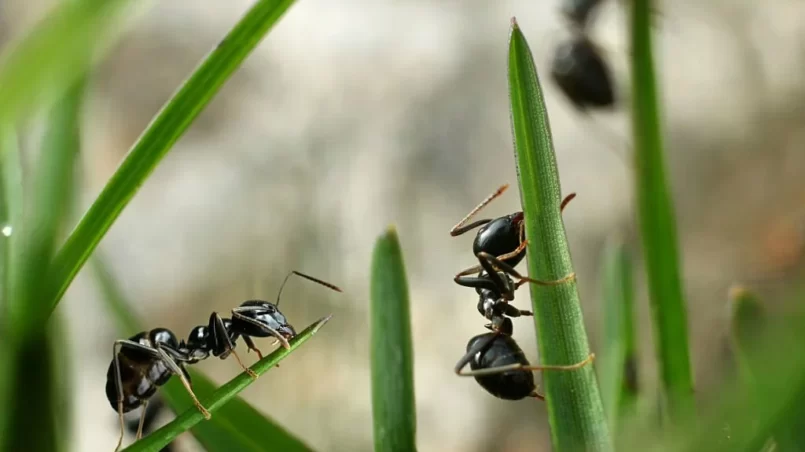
{"x": 499, "y": 246}
{"x": 496, "y": 360}
{"x": 149, "y": 359}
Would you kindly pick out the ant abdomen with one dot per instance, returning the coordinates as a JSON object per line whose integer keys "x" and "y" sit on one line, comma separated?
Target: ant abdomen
{"x": 502, "y": 351}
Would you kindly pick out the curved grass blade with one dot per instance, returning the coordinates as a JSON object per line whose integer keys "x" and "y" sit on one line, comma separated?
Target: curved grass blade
{"x": 53, "y": 55}
{"x": 392, "y": 355}
{"x": 219, "y": 398}
{"x": 574, "y": 404}
{"x": 657, "y": 224}
{"x": 619, "y": 363}
{"x": 236, "y": 426}
{"x": 156, "y": 141}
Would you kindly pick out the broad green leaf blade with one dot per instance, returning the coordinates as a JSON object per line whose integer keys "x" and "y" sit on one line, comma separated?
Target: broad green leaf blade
{"x": 223, "y": 395}
{"x": 619, "y": 362}
{"x": 658, "y": 225}
{"x": 574, "y": 404}
{"x": 53, "y": 55}
{"x": 237, "y": 425}
{"x": 392, "y": 353}
{"x": 157, "y": 140}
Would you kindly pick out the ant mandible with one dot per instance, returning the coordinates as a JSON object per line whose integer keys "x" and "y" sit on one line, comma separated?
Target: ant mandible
{"x": 500, "y": 366}
{"x": 149, "y": 359}
{"x": 502, "y": 237}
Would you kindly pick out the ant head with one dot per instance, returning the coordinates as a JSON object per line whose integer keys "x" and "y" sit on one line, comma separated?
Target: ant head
{"x": 265, "y": 313}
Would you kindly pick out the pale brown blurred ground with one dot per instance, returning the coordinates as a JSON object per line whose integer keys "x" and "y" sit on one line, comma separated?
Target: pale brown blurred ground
{"x": 353, "y": 115}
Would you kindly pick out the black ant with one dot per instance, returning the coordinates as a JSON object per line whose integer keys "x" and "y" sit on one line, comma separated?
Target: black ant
{"x": 580, "y": 12}
{"x": 582, "y": 74}
{"x": 500, "y": 366}
{"x": 149, "y": 359}
{"x": 502, "y": 237}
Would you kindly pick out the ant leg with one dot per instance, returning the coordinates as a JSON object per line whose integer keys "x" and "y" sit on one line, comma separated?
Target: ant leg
{"x": 250, "y": 343}
{"x": 517, "y": 366}
{"x": 511, "y": 311}
{"x": 236, "y": 313}
{"x": 142, "y": 421}
{"x": 490, "y": 262}
{"x": 565, "y": 201}
{"x": 476, "y": 282}
{"x": 477, "y": 348}
{"x": 175, "y": 368}
{"x": 461, "y": 227}
{"x": 222, "y": 338}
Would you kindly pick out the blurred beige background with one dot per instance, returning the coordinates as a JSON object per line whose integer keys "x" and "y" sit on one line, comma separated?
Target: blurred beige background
{"x": 353, "y": 115}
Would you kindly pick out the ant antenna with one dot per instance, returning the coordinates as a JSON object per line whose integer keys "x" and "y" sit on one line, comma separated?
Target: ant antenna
{"x": 308, "y": 277}
{"x": 478, "y": 208}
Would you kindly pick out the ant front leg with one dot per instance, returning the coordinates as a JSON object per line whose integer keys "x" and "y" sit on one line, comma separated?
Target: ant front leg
{"x": 224, "y": 344}
{"x": 182, "y": 374}
{"x": 491, "y": 264}
{"x": 250, "y": 343}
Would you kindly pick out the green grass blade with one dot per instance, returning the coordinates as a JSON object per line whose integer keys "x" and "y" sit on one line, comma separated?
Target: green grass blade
{"x": 619, "y": 363}
{"x": 12, "y": 203}
{"x": 41, "y": 396}
{"x": 219, "y": 398}
{"x": 392, "y": 355}
{"x": 53, "y": 190}
{"x": 166, "y": 128}
{"x": 236, "y": 426}
{"x": 657, "y": 224}
{"x": 12, "y": 215}
{"x": 575, "y": 410}
{"x": 53, "y": 55}
{"x": 36, "y": 391}
{"x": 748, "y": 325}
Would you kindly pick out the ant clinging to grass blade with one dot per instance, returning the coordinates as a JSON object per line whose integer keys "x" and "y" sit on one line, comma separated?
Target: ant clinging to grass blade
{"x": 149, "y": 359}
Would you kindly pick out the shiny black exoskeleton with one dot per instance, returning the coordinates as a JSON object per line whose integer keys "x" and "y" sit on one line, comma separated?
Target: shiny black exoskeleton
{"x": 500, "y": 366}
{"x": 149, "y": 359}
{"x": 502, "y": 238}
{"x": 582, "y": 74}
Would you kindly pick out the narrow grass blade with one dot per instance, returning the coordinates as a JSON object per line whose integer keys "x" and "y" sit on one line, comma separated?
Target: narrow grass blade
{"x": 32, "y": 363}
{"x": 236, "y": 426}
{"x": 53, "y": 55}
{"x": 40, "y": 230}
{"x": 575, "y": 410}
{"x": 748, "y": 325}
{"x": 392, "y": 353}
{"x": 12, "y": 215}
{"x": 744, "y": 419}
{"x": 41, "y": 395}
{"x": 157, "y": 140}
{"x": 619, "y": 362}
{"x": 219, "y": 398}
{"x": 657, "y": 224}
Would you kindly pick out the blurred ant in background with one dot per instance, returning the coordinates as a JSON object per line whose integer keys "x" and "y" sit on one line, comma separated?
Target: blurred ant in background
{"x": 149, "y": 359}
